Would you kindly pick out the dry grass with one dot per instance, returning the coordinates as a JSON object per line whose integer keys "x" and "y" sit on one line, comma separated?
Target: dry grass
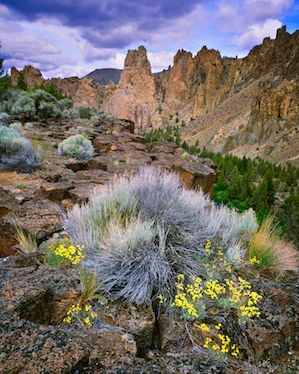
{"x": 90, "y": 286}
{"x": 27, "y": 242}
{"x": 286, "y": 255}
{"x": 271, "y": 250}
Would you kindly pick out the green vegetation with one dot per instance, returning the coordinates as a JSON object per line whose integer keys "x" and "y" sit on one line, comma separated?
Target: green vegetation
{"x": 246, "y": 183}
{"x": 5, "y": 81}
{"x": 77, "y": 146}
{"x": 17, "y": 152}
{"x": 54, "y": 91}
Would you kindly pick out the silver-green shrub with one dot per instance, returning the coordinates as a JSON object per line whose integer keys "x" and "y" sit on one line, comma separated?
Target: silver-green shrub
{"x": 139, "y": 231}
{"x": 16, "y": 152}
{"x": 77, "y": 146}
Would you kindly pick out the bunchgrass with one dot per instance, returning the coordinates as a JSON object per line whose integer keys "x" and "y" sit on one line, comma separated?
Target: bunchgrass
{"x": 89, "y": 286}
{"x": 27, "y": 242}
{"x": 261, "y": 245}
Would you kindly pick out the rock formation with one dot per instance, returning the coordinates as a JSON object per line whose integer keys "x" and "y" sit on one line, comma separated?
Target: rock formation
{"x": 86, "y": 95}
{"x": 135, "y": 96}
{"x": 246, "y": 106}
{"x": 32, "y": 76}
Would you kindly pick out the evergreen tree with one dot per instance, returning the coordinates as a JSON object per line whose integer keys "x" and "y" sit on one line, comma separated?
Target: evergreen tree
{"x": 22, "y": 84}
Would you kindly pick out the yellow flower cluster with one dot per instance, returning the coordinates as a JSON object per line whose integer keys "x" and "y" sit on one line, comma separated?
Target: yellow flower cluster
{"x": 254, "y": 261}
{"x": 187, "y": 295}
{"x": 109, "y": 132}
{"x": 84, "y": 315}
{"x": 214, "y": 289}
{"x": 241, "y": 295}
{"x": 161, "y": 299}
{"x": 71, "y": 253}
{"x": 221, "y": 343}
{"x": 208, "y": 247}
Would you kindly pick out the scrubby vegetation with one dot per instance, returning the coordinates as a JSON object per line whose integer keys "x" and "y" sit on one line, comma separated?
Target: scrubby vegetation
{"x": 34, "y": 103}
{"x": 5, "y": 81}
{"x": 77, "y": 146}
{"x": 137, "y": 241}
{"x": 148, "y": 240}
{"x": 17, "y": 152}
{"x": 244, "y": 183}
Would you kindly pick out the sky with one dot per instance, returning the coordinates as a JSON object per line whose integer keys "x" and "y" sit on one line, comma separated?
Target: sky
{"x": 73, "y": 37}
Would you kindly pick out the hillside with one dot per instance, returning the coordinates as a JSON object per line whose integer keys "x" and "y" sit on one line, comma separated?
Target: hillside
{"x": 105, "y": 76}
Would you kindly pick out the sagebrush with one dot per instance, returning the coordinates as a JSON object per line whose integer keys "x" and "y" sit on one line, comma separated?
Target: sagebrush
{"x": 141, "y": 230}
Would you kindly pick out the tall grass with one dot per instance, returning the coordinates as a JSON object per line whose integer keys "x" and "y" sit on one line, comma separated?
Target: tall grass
{"x": 271, "y": 250}
{"x": 27, "y": 242}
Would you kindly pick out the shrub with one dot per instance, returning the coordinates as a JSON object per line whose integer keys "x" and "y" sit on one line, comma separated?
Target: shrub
{"x": 139, "y": 231}
{"x": 76, "y": 146}
{"x": 16, "y": 152}
{"x": 24, "y": 105}
{"x": 3, "y": 118}
{"x": 54, "y": 91}
{"x": 85, "y": 112}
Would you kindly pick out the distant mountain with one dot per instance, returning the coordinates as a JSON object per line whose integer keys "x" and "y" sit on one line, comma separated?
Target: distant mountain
{"x": 105, "y": 76}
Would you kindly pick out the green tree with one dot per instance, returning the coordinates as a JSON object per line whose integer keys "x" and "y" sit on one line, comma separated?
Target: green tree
{"x": 289, "y": 217}
{"x": 5, "y": 82}
{"x": 22, "y": 84}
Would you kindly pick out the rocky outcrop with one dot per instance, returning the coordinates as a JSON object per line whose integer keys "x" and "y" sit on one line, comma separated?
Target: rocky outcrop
{"x": 32, "y": 76}
{"x": 86, "y": 95}
{"x": 34, "y": 201}
{"x": 68, "y": 86}
{"x": 135, "y": 96}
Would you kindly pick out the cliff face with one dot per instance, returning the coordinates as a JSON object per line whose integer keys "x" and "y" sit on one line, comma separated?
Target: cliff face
{"x": 134, "y": 98}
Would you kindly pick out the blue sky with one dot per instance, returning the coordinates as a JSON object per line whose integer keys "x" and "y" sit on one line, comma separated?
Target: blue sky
{"x": 71, "y": 37}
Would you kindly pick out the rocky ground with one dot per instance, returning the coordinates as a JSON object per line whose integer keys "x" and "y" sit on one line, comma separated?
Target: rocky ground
{"x": 34, "y": 298}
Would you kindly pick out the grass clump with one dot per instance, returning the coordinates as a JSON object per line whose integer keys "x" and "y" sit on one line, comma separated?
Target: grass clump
{"x": 16, "y": 152}
{"x": 27, "y": 242}
{"x": 261, "y": 245}
{"x": 139, "y": 231}
{"x": 77, "y": 146}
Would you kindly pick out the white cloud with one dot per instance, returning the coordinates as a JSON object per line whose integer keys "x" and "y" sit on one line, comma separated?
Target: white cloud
{"x": 255, "y": 33}
{"x": 264, "y": 9}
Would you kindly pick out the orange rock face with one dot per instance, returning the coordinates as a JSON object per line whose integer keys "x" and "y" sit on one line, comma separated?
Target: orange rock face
{"x": 135, "y": 96}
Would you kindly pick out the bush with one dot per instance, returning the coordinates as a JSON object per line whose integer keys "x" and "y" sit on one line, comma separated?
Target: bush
{"x": 24, "y": 105}
{"x": 54, "y": 91}
{"x": 37, "y": 102}
{"x": 16, "y": 152}
{"x": 139, "y": 231}
{"x": 76, "y": 146}
{"x": 85, "y": 112}
{"x": 3, "y": 118}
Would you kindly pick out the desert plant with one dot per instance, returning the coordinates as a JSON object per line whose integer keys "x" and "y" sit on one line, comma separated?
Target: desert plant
{"x": 16, "y": 152}
{"x": 24, "y": 105}
{"x": 76, "y": 146}
{"x": 27, "y": 242}
{"x": 89, "y": 286}
{"x": 262, "y": 243}
{"x": 3, "y": 118}
{"x": 63, "y": 253}
{"x": 139, "y": 231}
{"x": 286, "y": 255}
{"x": 85, "y": 112}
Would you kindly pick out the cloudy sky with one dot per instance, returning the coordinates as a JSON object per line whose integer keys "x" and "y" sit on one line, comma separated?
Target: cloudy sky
{"x": 73, "y": 37}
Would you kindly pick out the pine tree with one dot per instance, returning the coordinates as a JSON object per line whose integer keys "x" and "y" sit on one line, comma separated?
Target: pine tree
{"x": 22, "y": 84}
